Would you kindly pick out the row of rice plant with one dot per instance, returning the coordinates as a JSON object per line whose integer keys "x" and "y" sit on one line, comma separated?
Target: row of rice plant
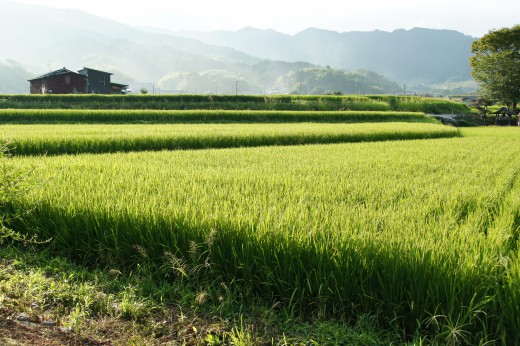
{"x": 201, "y": 116}
{"x": 98, "y": 138}
{"x": 424, "y": 233}
{"x": 236, "y": 102}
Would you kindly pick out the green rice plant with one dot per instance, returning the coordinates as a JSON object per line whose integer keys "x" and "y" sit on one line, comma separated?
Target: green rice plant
{"x": 202, "y": 116}
{"x": 236, "y": 102}
{"x": 406, "y": 230}
{"x": 427, "y": 105}
{"x": 509, "y": 320}
{"x": 75, "y": 139}
{"x": 14, "y": 183}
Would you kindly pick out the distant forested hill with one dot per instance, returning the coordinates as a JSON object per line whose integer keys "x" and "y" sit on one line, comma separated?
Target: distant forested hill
{"x": 416, "y": 56}
{"x": 248, "y": 61}
{"x": 13, "y": 78}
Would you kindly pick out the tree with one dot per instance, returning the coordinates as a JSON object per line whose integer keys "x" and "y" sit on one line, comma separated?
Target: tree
{"x": 13, "y": 78}
{"x": 496, "y": 65}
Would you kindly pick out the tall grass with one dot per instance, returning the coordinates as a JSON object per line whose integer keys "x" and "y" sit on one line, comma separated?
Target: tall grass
{"x": 202, "y": 116}
{"x": 236, "y": 102}
{"x": 75, "y": 139}
{"x": 420, "y": 231}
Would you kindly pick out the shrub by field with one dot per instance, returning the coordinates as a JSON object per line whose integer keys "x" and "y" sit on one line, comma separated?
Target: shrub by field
{"x": 75, "y": 139}
{"x": 421, "y": 233}
{"x": 237, "y": 102}
{"x": 202, "y": 116}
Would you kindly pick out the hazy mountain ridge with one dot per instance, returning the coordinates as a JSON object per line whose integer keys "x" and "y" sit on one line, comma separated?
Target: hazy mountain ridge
{"x": 49, "y": 38}
{"x": 417, "y": 55}
{"x": 13, "y": 77}
{"x": 74, "y": 38}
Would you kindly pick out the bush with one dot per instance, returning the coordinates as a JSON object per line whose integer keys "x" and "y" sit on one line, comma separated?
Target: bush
{"x": 13, "y": 186}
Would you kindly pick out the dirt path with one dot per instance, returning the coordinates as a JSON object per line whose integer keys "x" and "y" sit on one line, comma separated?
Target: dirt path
{"x": 20, "y": 333}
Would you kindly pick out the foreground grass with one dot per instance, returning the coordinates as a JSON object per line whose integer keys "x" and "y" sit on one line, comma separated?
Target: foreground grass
{"x": 420, "y": 234}
{"x": 75, "y": 139}
{"x": 47, "y": 300}
{"x": 238, "y": 102}
{"x": 198, "y": 116}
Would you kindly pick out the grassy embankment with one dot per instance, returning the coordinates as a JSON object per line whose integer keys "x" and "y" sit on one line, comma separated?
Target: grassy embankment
{"x": 238, "y": 102}
{"x": 103, "y": 138}
{"x": 420, "y": 237}
{"x": 342, "y": 242}
{"x": 53, "y": 116}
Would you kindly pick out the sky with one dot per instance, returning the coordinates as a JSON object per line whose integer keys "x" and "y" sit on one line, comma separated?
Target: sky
{"x": 471, "y": 17}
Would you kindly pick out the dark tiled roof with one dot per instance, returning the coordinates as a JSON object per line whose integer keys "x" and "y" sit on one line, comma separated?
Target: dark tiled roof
{"x": 91, "y": 69}
{"x": 54, "y": 73}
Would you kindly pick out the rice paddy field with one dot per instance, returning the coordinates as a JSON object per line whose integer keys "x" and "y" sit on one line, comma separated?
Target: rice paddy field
{"x": 236, "y": 102}
{"x": 415, "y": 223}
{"x": 204, "y": 116}
{"x": 98, "y": 138}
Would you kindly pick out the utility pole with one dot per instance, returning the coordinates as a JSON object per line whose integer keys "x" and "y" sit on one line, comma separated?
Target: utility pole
{"x": 404, "y": 89}
{"x": 236, "y": 87}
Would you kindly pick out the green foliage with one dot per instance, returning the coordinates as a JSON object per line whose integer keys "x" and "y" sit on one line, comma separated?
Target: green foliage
{"x": 75, "y": 139}
{"x": 52, "y": 289}
{"x": 47, "y": 288}
{"x": 13, "y": 78}
{"x": 431, "y": 56}
{"x": 381, "y": 235}
{"x": 496, "y": 64}
{"x": 208, "y": 82}
{"x": 372, "y": 227}
{"x": 14, "y": 186}
{"x": 41, "y": 116}
{"x": 235, "y": 102}
{"x": 329, "y": 81}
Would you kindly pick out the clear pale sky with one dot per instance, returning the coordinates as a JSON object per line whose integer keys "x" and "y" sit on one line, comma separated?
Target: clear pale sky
{"x": 472, "y": 17}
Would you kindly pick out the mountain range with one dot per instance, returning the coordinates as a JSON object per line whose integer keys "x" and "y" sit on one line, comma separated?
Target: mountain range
{"x": 416, "y": 56}
{"x": 250, "y": 60}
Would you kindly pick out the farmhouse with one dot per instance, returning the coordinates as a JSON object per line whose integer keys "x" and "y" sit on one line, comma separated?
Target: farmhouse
{"x": 85, "y": 81}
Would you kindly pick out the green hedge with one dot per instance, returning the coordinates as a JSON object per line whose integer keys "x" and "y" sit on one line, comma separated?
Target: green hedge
{"x": 238, "y": 102}
{"x": 201, "y": 116}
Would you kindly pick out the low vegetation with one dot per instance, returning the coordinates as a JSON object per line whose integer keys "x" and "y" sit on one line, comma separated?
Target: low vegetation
{"x": 339, "y": 235}
{"x": 75, "y": 139}
{"x": 47, "y": 300}
{"x": 204, "y": 116}
{"x": 380, "y": 242}
{"x": 237, "y": 102}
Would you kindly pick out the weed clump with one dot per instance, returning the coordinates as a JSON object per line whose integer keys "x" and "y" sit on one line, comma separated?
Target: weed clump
{"x": 14, "y": 184}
